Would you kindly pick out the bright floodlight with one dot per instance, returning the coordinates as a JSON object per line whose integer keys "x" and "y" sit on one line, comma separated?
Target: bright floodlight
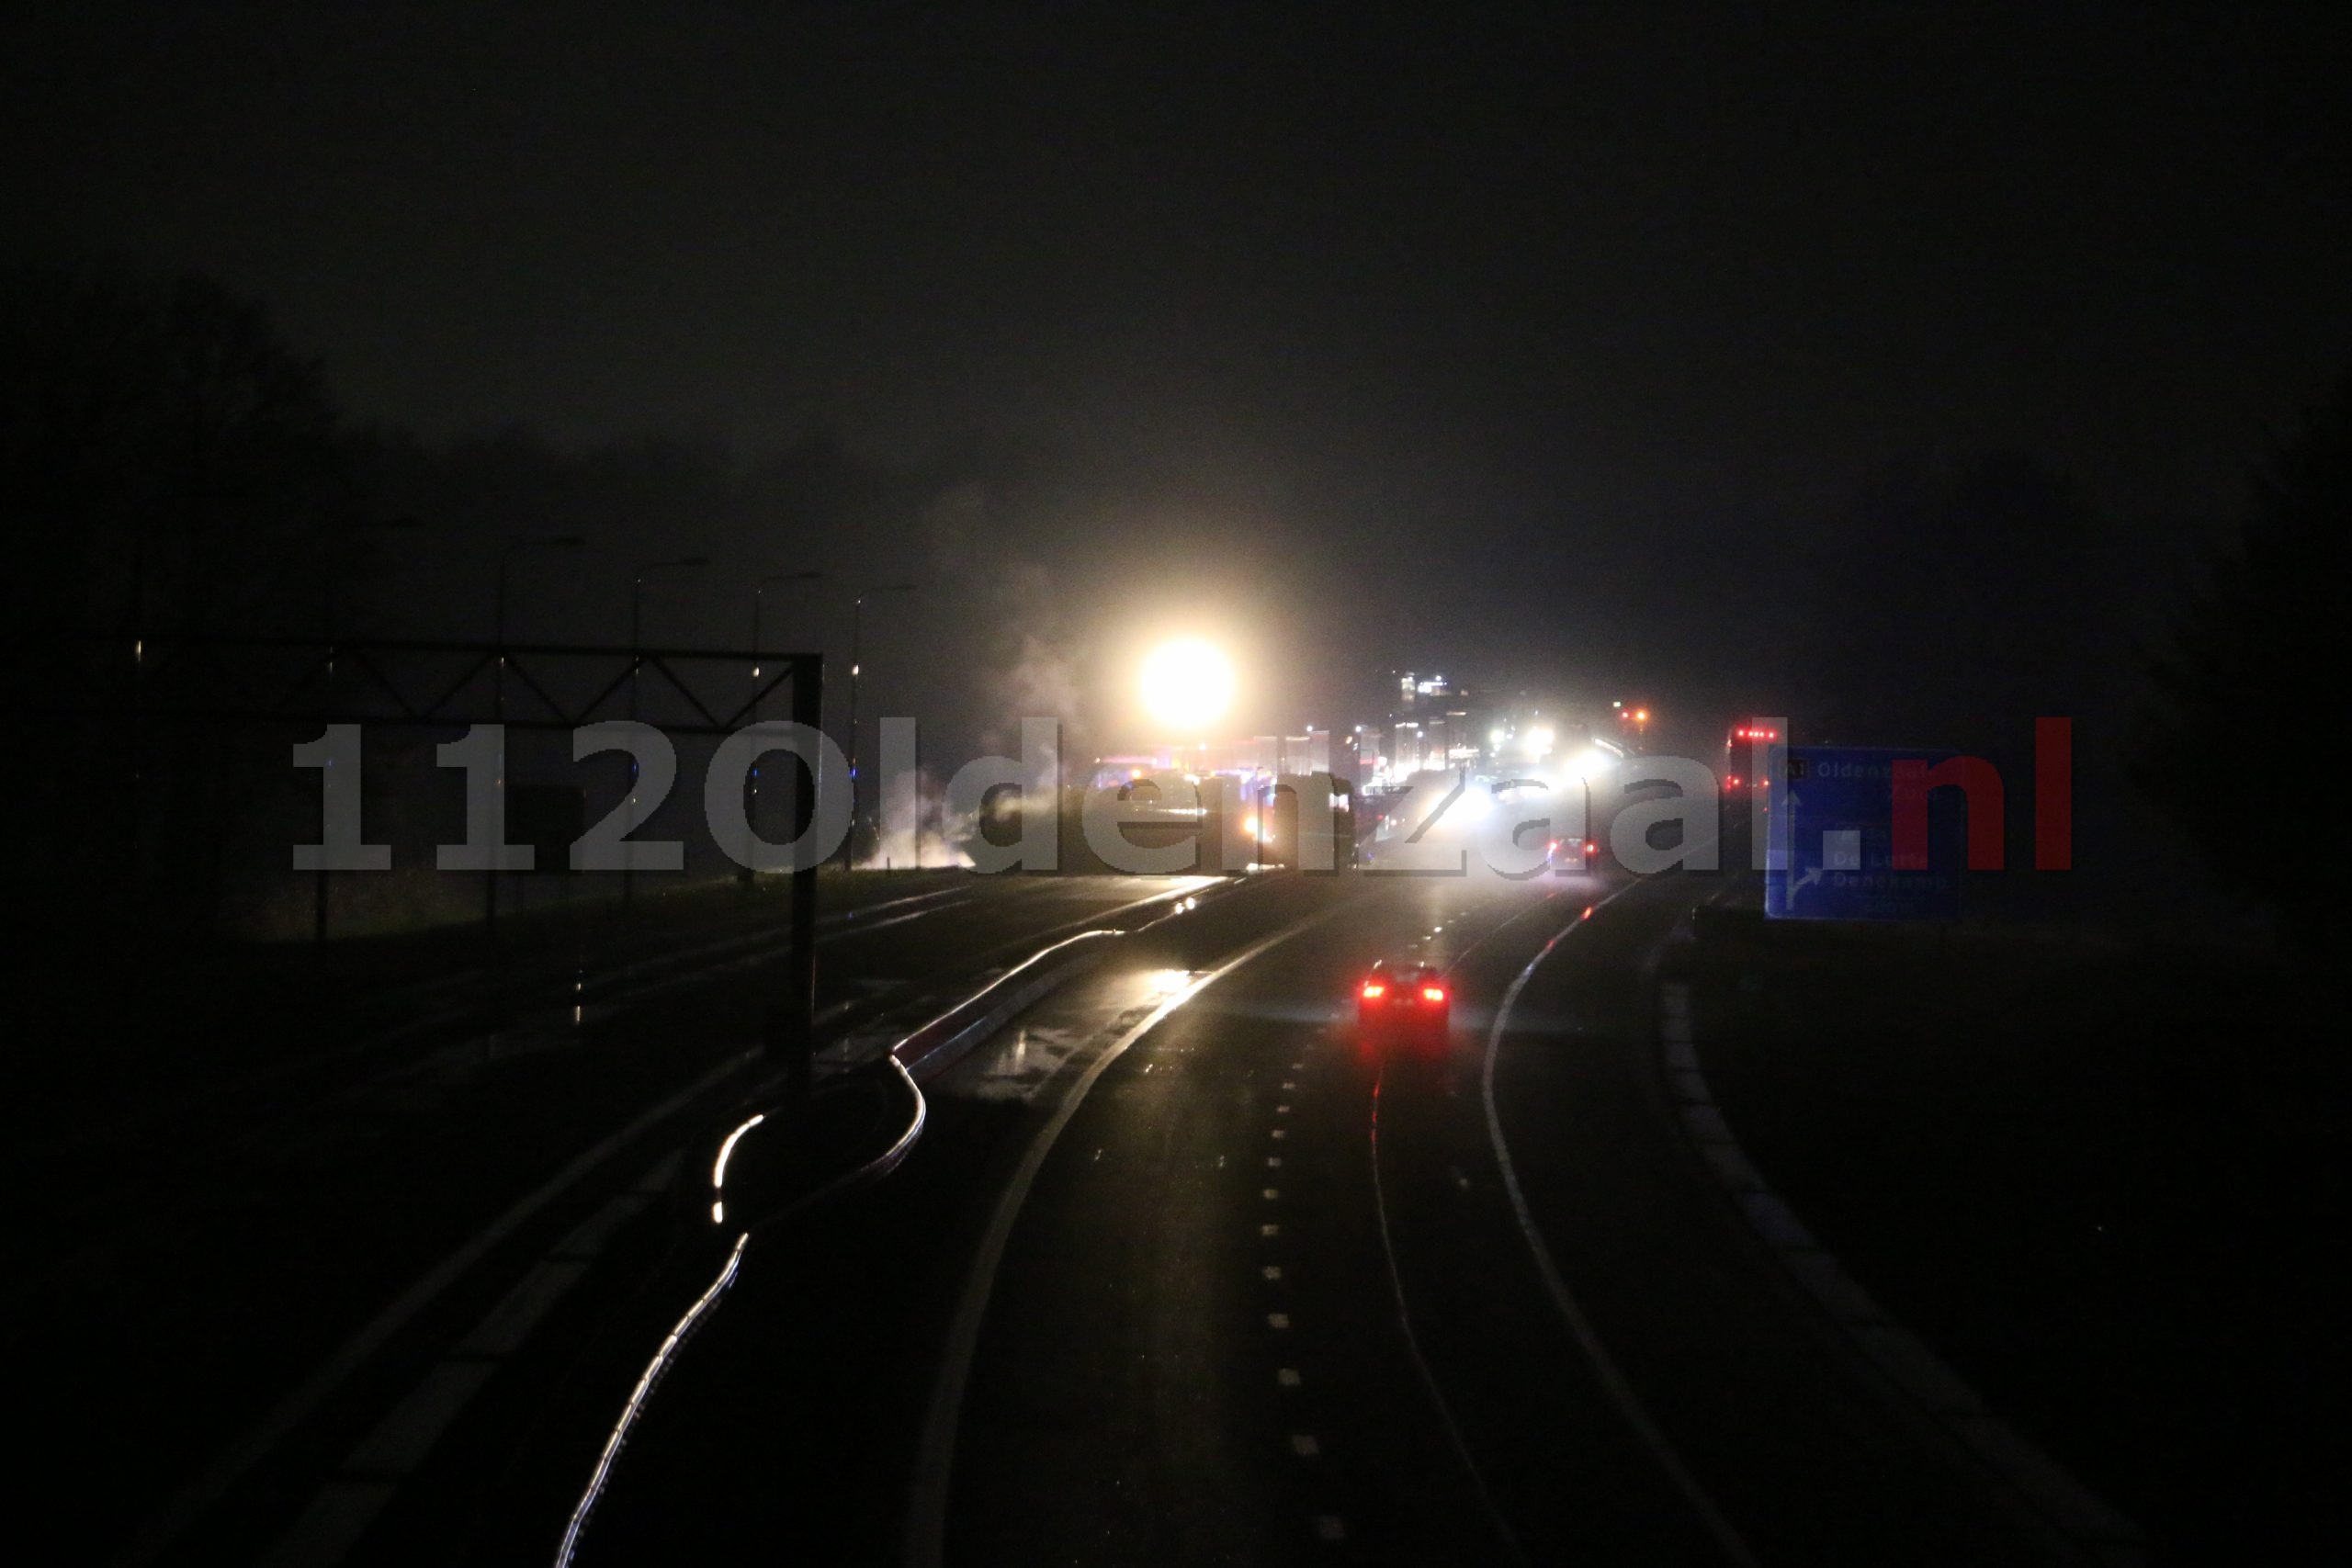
{"x": 1186, "y": 684}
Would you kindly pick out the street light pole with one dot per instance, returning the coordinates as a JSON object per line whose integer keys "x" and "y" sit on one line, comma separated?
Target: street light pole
{"x": 752, "y": 807}
{"x": 333, "y": 630}
{"x": 856, "y": 627}
{"x": 636, "y": 664}
{"x": 498, "y": 691}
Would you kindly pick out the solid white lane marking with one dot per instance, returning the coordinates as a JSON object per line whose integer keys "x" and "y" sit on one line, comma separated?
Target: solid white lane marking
{"x": 936, "y": 1451}
{"x": 1613, "y": 1378}
{"x": 1905, "y": 1361}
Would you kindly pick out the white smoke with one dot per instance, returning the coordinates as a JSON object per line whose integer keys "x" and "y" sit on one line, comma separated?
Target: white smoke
{"x": 1040, "y": 675}
{"x": 916, "y": 829}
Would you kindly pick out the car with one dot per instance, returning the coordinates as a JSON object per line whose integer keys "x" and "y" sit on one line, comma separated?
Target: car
{"x": 1405, "y": 999}
{"x": 1575, "y": 857}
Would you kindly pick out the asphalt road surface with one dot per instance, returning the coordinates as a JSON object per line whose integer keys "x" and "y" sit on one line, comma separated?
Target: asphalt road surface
{"x": 220, "y": 1287}
{"x": 1178, "y": 1274}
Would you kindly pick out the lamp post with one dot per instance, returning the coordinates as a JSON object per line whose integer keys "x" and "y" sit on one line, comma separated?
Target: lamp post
{"x": 636, "y": 664}
{"x": 498, "y": 688}
{"x": 329, "y": 611}
{"x": 856, "y": 627}
{"x": 752, "y": 807}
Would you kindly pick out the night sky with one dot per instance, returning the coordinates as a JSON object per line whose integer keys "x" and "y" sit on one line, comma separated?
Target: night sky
{"x": 1531, "y": 344}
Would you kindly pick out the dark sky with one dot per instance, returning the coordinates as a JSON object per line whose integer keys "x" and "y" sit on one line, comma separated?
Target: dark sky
{"x": 1401, "y": 331}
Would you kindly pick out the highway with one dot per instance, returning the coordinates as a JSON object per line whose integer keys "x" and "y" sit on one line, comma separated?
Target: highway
{"x": 1176, "y": 1275}
{"x": 220, "y": 1277}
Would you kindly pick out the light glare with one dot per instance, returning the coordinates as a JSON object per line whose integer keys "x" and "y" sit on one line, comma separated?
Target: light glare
{"x": 1187, "y": 684}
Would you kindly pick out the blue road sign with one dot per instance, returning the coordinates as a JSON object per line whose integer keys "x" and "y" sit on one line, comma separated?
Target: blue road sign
{"x": 1830, "y": 852}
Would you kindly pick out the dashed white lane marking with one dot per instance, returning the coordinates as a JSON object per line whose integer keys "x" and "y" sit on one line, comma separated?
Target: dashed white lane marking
{"x": 1331, "y": 1527}
{"x": 1271, "y": 1194}
{"x": 659, "y": 1174}
{"x": 343, "y": 1509}
{"x": 1282, "y": 1110}
{"x": 1273, "y": 1162}
{"x": 1279, "y": 1134}
{"x": 1509, "y": 1536}
{"x": 1269, "y": 1231}
{"x": 1286, "y": 1377}
{"x": 1278, "y": 1320}
{"x": 232, "y": 1464}
{"x": 403, "y": 1438}
{"x": 1271, "y": 1270}
{"x": 1613, "y": 1378}
{"x": 936, "y": 1451}
{"x": 1288, "y": 1087}
{"x": 511, "y": 1321}
{"x": 332, "y": 1525}
{"x": 589, "y": 1238}
{"x": 1304, "y": 1445}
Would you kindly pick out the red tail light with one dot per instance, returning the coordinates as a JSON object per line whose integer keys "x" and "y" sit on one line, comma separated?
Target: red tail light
{"x": 1372, "y": 991}
{"x": 1433, "y": 993}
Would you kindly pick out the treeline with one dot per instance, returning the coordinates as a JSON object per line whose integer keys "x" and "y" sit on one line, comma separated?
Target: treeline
{"x": 170, "y": 464}
{"x": 1959, "y": 600}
